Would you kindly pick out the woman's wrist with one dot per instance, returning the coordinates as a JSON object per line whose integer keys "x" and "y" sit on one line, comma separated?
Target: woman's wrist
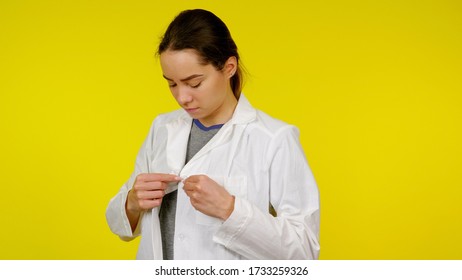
{"x": 229, "y": 209}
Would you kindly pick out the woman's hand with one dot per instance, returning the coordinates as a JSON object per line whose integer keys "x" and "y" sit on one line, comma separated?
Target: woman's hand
{"x": 147, "y": 193}
{"x": 208, "y": 197}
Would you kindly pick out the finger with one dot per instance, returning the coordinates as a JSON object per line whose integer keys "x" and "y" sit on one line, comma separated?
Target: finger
{"x": 150, "y": 186}
{"x": 149, "y": 204}
{"x": 190, "y": 186}
{"x": 152, "y": 177}
{"x": 192, "y": 195}
{"x": 150, "y": 195}
{"x": 192, "y": 179}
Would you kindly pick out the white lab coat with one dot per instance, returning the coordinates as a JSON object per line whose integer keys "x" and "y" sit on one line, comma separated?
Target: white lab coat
{"x": 256, "y": 158}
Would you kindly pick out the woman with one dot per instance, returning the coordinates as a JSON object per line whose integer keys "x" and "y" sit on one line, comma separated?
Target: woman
{"x": 207, "y": 174}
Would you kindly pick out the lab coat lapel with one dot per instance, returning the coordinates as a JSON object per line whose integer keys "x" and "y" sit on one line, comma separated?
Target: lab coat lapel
{"x": 177, "y": 140}
{"x": 222, "y": 137}
{"x": 231, "y": 131}
{"x": 178, "y": 134}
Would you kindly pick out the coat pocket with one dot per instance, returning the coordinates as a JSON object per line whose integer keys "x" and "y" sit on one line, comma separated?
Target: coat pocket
{"x": 236, "y": 185}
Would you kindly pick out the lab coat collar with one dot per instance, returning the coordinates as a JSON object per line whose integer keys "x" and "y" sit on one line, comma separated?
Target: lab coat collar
{"x": 244, "y": 112}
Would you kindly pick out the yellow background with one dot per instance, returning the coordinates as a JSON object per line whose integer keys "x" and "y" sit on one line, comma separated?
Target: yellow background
{"x": 374, "y": 86}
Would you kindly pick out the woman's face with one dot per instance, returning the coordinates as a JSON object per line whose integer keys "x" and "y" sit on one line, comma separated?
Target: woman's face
{"x": 202, "y": 90}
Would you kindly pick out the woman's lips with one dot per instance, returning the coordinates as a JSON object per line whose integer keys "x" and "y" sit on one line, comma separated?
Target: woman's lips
{"x": 191, "y": 110}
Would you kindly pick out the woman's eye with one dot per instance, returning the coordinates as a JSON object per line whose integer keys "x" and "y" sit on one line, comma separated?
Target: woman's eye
{"x": 171, "y": 85}
{"x": 196, "y": 86}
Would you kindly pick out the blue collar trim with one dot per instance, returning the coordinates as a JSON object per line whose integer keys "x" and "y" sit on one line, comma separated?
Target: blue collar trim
{"x": 204, "y": 128}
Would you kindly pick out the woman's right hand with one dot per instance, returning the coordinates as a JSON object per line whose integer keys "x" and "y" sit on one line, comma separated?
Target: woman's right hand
{"x": 147, "y": 193}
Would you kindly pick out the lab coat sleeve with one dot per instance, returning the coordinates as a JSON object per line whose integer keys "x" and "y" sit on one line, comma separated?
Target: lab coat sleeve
{"x": 294, "y": 233}
{"x": 115, "y": 213}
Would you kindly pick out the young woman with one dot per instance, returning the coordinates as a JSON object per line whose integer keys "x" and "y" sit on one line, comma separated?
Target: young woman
{"x": 208, "y": 174}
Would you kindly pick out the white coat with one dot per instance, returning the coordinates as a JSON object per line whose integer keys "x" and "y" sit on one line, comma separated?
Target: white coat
{"x": 256, "y": 158}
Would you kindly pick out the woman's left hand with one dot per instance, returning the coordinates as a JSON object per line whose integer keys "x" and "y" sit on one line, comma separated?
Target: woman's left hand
{"x": 208, "y": 197}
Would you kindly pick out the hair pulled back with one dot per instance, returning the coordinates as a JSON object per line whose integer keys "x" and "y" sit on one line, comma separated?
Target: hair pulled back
{"x": 208, "y": 35}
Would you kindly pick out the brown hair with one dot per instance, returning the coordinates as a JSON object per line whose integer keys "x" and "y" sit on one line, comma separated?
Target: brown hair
{"x": 208, "y": 35}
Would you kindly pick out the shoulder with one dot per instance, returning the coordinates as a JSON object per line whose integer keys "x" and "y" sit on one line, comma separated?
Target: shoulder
{"x": 165, "y": 118}
{"x": 274, "y": 137}
{"x": 272, "y": 127}
{"x": 162, "y": 119}
{"x": 259, "y": 122}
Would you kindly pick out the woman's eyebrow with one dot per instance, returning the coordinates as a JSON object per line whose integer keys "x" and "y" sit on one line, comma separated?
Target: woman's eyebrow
{"x": 187, "y": 78}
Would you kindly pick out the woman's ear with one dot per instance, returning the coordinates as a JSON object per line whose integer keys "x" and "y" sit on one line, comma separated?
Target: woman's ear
{"x": 230, "y": 67}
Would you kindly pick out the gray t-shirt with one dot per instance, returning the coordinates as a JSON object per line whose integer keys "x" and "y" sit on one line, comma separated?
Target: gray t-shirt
{"x": 199, "y": 136}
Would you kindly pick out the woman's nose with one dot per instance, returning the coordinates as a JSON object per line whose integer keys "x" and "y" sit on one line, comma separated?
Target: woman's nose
{"x": 183, "y": 96}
